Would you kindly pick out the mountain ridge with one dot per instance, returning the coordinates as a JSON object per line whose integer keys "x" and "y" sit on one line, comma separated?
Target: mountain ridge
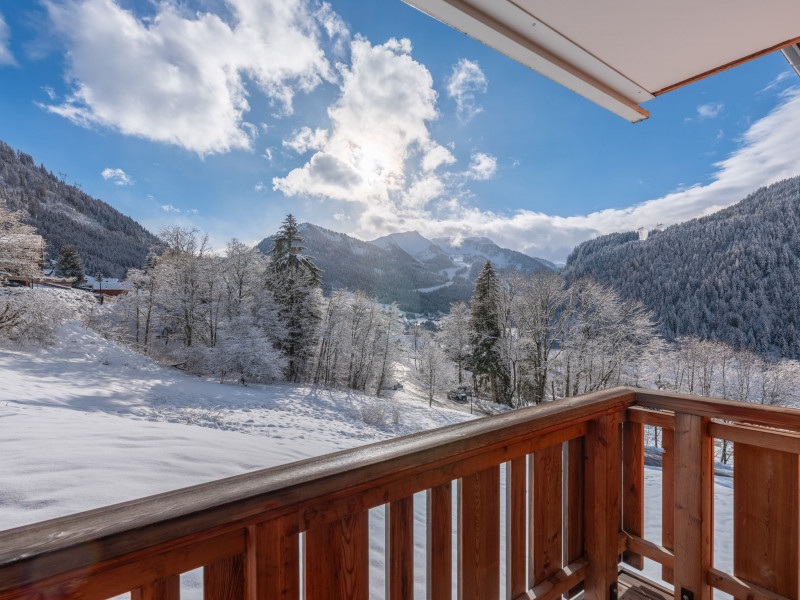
{"x": 106, "y": 240}
{"x": 417, "y": 273}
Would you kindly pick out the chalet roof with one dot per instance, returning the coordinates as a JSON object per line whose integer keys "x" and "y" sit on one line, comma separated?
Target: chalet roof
{"x": 622, "y": 53}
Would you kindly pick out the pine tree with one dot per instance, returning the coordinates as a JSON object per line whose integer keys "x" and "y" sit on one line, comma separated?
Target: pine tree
{"x": 294, "y": 280}
{"x": 486, "y": 332}
{"x": 70, "y": 264}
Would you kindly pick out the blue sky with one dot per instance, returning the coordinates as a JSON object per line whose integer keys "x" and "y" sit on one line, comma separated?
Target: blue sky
{"x": 368, "y": 118}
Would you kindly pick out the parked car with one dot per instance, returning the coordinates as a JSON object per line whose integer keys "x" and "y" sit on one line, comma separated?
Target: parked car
{"x": 461, "y": 396}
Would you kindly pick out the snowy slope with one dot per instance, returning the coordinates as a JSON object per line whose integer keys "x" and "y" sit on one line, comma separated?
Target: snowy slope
{"x": 416, "y": 246}
{"x": 88, "y": 423}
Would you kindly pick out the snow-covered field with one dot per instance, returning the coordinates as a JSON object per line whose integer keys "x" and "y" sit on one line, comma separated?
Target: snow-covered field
{"x": 88, "y": 423}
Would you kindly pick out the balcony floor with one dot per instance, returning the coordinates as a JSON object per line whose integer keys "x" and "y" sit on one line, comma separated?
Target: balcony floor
{"x": 632, "y": 586}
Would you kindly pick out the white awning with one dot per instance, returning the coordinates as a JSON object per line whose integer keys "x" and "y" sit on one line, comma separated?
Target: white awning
{"x": 621, "y": 53}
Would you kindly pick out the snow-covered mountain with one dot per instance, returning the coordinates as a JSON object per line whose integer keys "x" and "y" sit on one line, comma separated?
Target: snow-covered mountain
{"x": 421, "y": 275}
{"x": 473, "y": 249}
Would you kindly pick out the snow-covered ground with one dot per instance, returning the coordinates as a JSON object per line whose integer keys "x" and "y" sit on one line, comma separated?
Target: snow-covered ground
{"x": 88, "y": 423}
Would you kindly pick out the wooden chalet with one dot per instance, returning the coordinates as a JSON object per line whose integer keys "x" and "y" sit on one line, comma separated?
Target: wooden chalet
{"x": 574, "y": 500}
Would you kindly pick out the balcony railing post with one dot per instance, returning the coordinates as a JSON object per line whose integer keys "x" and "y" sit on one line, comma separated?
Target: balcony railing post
{"x": 766, "y": 532}
{"x": 633, "y": 486}
{"x": 694, "y": 472}
{"x": 602, "y": 506}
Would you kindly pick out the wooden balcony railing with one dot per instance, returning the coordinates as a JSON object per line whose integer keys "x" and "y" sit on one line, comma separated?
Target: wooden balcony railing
{"x": 573, "y": 504}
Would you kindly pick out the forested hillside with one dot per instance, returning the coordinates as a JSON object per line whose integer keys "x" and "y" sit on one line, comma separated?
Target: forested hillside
{"x": 733, "y": 276}
{"x": 106, "y": 240}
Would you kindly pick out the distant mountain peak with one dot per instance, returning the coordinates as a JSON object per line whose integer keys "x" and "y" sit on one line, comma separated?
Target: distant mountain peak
{"x": 421, "y": 275}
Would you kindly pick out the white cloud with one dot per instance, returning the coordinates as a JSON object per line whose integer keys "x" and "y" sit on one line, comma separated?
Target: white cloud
{"x": 6, "y": 57}
{"x": 179, "y": 78}
{"x": 482, "y": 167}
{"x": 259, "y": 187}
{"x": 782, "y": 76}
{"x": 378, "y": 123}
{"x": 465, "y": 81}
{"x": 307, "y": 139}
{"x": 118, "y": 176}
{"x": 437, "y": 156}
{"x": 169, "y": 208}
{"x": 709, "y": 111}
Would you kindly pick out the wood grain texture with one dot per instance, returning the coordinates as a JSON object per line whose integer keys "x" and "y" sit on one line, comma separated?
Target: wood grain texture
{"x": 602, "y": 505}
{"x": 739, "y": 588}
{"x": 334, "y": 509}
{"x": 400, "y": 544}
{"x": 141, "y": 569}
{"x": 337, "y": 560}
{"x": 545, "y": 549}
{"x": 440, "y": 542}
{"x": 728, "y": 410}
{"x": 224, "y": 579}
{"x": 272, "y": 565}
{"x": 516, "y": 527}
{"x": 694, "y": 472}
{"x": 479, "y": 535}
{"x": 756, "y": 436}
{"x": 168, "y": 588}
{"x": 648, "y": 549}
{"x": 765, "y": 516}
{"x": 576, "y": 461}
{"x": 633, "y": 487}
{"x": 656, "y": 418}
{"x": 559, "y": 583}
{"x": 668, "y": 497}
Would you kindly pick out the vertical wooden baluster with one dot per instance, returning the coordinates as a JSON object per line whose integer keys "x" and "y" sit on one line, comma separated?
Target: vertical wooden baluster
{"x": 479, "y": 535}
{"x": 515, "y": 527}
{"x": 602, "y": 506}
{"x": 667, "y": 497}
{"x": 337, "y": 559}
{"x": 224, "y": 579}
{"x": 765, "y": 518}
{"x": 576, "y": 456}
{"x": 545, "y": 553}
{"x": 272, "y": 568}
{"x": 694, "y": 519}
{"x": 633, "y": 486}
{"x": 400, "y": 549}
{"x": 168, "y": 588}
{"x": 440, "y": 542}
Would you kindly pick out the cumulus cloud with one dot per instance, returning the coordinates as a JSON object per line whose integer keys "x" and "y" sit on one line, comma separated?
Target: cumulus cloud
{"x": 6, "y": 58}
{"x": 437, "y": 156}
{"x": 482, "y": 167}
{"x": 179, "y": 77}
{"x": 118, "y": 176}
{"x": 307, "y": 139}
{"x": 169, "y": 208}
{"x": 465, "y": 81}
{"x": 378, "y": 123}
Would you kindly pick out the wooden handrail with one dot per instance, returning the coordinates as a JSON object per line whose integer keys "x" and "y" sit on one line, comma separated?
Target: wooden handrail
{"x": 730, "y": 410}
{"x": 303, "y": 491}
